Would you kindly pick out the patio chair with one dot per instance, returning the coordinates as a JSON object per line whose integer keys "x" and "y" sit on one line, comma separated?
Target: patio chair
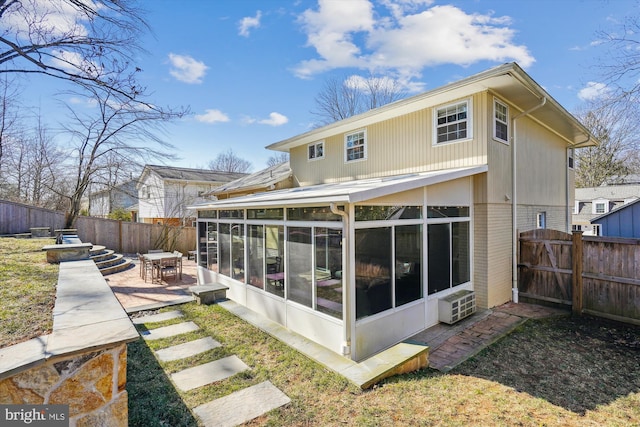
{"x": 167, "y": 267}
{"x": 146, "y": 266}
{"x": 179, "y": 262}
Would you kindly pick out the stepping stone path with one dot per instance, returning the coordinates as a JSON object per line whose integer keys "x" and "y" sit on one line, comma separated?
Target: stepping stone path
{"x": 231, "y": 410}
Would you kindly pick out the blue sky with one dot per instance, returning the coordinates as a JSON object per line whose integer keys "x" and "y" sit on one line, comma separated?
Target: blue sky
{"x": 249, "y": 70}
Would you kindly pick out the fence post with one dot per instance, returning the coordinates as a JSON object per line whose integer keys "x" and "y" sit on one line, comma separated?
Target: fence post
{"x": 576, "y": 277}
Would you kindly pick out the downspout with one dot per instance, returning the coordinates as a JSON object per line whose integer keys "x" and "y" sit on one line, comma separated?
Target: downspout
{"x": 514, "y": 201}
{"x": 346, "y": 294}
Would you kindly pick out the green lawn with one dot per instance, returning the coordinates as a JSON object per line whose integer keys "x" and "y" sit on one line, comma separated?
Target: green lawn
{"x": 555, "y": 372}
{"x": 27, "y": 289}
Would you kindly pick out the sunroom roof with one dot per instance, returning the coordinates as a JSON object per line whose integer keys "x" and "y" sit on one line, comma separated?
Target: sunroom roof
{"x": 342, "y": 192}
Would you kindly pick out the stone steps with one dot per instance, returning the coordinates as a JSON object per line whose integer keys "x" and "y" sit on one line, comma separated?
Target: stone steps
{"x": 107, "y": 261}
{"x": 236, "y": 408}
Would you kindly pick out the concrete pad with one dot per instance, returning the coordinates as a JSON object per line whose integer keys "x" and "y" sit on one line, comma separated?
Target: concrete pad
{"x": 160, "y": 317}
{"x": 208, "y": 373}
{"x": 187, "y": 349}
{"x": 169, "y": 331}
{"x": 241, "y": 406}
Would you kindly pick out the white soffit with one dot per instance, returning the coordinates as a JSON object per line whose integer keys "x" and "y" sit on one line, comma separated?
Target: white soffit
{"x": 343, "y": 192}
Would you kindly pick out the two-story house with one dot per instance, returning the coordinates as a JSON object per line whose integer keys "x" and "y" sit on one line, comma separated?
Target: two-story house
{"x": 397, "y": 209}
{"x": 164, "y": 192}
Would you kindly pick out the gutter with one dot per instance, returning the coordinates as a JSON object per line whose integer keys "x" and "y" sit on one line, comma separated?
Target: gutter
{"x": 514, "y": 201}
{"x": 347, "y": 294}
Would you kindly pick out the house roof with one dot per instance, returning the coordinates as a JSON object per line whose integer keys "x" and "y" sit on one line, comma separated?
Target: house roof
{"x": 508, "y": 81}
{"x": 615, "y": 210}
{"x": 343, "y": 192}
{"x": 256, "y": 181}
{"x": 609, "y": 192}
{"x": 187, "y": 174}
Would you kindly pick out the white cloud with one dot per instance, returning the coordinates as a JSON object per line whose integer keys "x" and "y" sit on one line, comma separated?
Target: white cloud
{"x": 593, "y": 91}
{"x": 412, "y": 37}
{"x": 212, "y": 116}
{"x": 186, "y": 69}
{"x": 248, "y": 22}
{"x": 275, "y": 119}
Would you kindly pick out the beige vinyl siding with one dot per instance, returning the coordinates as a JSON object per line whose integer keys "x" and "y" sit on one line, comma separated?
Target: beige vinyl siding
{"x": 396, "y": 146}
{"x": 542, "y": 165}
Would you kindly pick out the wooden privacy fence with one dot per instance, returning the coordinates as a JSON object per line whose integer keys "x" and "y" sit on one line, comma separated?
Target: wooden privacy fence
{"x": 595, "y": 275}
{"x": 120, "y": 236}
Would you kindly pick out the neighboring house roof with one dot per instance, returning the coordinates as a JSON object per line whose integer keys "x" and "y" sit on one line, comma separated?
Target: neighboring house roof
{"x": 610, "y": 192}
{"x": 615, "y": 211}
{"x": 344, "y": 192}
{"x": 188, "y": 174}
{"x": 508, "y": 81}
{"x": 260, "y": 180}
{"x": 615, "y": 194}
{"x": 128, "y": 187}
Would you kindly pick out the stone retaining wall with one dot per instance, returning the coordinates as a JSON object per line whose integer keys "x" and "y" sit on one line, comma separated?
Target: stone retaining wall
{"x": 83, "y": 362}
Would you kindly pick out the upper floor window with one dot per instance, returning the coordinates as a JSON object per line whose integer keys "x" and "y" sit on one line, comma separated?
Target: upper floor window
{"x": 144, "y": 192}
{"x": 355, "y": 146}
{"x": 599, "y": 207}
{"x": 570, "y": 157}
{"x": 500, "y": 121}
{"x": 315, "y": 150}
{"x": 453, "y": 122}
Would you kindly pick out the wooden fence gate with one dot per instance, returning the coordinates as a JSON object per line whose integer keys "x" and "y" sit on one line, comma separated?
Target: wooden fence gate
{"x": 594, "y": 275}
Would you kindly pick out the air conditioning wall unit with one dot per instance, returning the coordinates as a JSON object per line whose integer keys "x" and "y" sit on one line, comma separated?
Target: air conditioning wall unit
{"x": 456, "y": 306}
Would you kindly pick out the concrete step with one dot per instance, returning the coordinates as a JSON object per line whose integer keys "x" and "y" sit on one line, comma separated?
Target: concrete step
{"x": 208, "y": 373}
{"x": 169, "y": 331}
{"x": 241, "y": 406}
{"x": 101, "y": 256}
{"x": 124, "y": 264}
{"x": 108, "y": 260}
{"x": 188, "y": 349}
{"x": 96, "y": 249}
{"x": 160, "y": 317}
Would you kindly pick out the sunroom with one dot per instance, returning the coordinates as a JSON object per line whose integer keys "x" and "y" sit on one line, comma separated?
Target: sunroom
{"x": 355, "y": 266}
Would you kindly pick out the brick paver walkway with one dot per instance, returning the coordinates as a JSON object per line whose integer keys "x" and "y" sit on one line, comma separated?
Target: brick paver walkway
{"x": 133, "y": 292}
{"x": 451, "y": 345}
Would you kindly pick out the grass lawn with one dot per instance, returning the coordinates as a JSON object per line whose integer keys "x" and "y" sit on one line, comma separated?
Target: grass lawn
{"x": 27, "y": 290}
{"x": 555, "y": 372}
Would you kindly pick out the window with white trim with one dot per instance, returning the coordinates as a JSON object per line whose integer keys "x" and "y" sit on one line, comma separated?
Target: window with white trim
{"x": 355, "y": 146}
{"x": 500, "y": 121}
{"x": 600, "y": 206}
{"x": 452, "y": 122}
{"x": 596, "y": 230}
{"x": 315, "y": 151}
{"x": 541, "y": 220}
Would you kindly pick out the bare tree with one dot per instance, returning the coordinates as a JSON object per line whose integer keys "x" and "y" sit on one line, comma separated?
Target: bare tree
{"x": 118, "y": 131}
{"x": 341, "y": 98}
{"x": 616, "y": 155}
{"x": 621, "y": 66}
{"x": 277, "y": 158}
{"x": 229, "y": 162}
{"x": 85, "y": 42}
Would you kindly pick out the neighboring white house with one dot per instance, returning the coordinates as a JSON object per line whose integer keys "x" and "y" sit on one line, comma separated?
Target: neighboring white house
{"x": 123, "y": 196}
{"x": 164, "y": 192}
{"x": 592, "y": 202}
